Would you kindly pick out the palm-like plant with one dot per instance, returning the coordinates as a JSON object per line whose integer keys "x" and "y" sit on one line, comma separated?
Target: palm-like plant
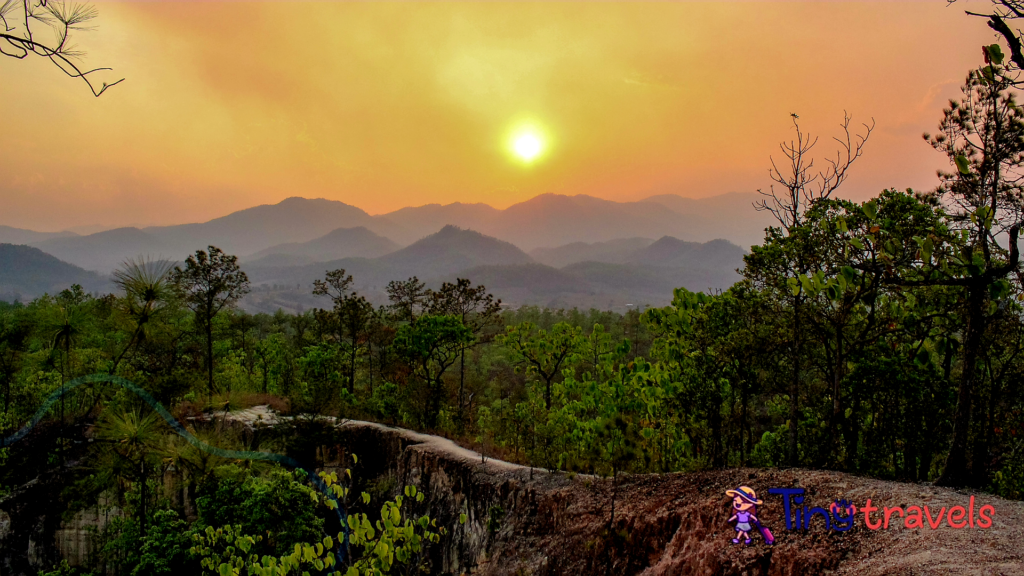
{"x": 135, "y": 440}
{"x": 146, "y": 294}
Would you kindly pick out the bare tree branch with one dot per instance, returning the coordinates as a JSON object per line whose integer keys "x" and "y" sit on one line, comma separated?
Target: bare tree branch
{"x": 18, "y": 38}
{"x": 803, "y": 186}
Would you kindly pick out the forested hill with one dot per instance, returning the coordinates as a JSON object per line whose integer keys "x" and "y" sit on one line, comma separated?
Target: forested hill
{"x": 26, "y": 272}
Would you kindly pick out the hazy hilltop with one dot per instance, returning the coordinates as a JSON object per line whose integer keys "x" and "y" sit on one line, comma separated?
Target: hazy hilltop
{"x": 730, "y": 216}
{"x": 453, "y": 249}
{"x": 27, "y": 272}
{"x": 337, "y": 244}
{"x": 611, "y": 251}
{"x": 676, "y": 253}
{"x": 408, "y": 225}
{"x": 242, "y": 233}
{"x": 105, "y": 251}
{"x": 10, "y": 235}
{"x": 667, "y": 251}
{"x": 254, "y": 229}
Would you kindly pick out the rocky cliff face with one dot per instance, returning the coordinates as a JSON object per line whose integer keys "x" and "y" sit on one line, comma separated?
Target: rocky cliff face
{"x": 530, "y": 522}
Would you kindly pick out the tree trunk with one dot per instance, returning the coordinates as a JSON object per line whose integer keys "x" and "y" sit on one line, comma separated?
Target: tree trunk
{"x": 745, "y": 425}
{"x": 979, "y": 467}
{"x": 716, "y": 430}
{"x": 955, "y": 472}
{"x": 837, "y": 414}
{"x": 352, "y": 369}
{"x": 795, "y": 386}
{"x": 142, "y": 502}
{"x": 209, "y": 356}
{"x": 462, "y": 386}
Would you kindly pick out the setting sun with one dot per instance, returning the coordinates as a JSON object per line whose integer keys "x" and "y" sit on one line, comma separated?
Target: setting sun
{"x": 527, "y": 144}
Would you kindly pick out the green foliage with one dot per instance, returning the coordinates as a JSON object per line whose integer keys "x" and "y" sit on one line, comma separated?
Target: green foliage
{"x": 275, "y": 506}
{"x": 64, "y": 569}
{"x": 165, "y": 549}
{"x": 397, "y": 538}
{"x": 431, "y": 345}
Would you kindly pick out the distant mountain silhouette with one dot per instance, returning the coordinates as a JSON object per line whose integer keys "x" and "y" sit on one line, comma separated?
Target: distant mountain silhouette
{"x": 731, "y": 216}
{"x": 611, "y": 251}
{"x": 446, "y": 252}
{"x": 241, "y": 233}
{"x": 552, "y": 220}
{"x": 545, "y": 221}
{"x": 667, "y": 251}
{"x": 337, "y": 244}
{"x": 411, "y": 224}
{"x": 254, "y": 229}
{"x": 105, "y": 251}
{"x": 27, "y": 272}
{"x": 676, "y": 253}
{"x": 453, "y": 249}
{"x": 9, "y": 235}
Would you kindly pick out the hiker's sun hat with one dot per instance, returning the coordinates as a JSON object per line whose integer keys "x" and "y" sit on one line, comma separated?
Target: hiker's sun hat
{"x": 746, "y": 493}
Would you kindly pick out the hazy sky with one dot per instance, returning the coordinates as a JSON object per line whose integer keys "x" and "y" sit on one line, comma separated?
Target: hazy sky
{"x": 385, "y": 105}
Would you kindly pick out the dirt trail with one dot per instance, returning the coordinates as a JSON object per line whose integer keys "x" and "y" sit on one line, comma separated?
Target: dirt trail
{"x": 524, "y": 521}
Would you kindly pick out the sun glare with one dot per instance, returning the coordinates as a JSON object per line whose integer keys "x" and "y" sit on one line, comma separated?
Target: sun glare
{"x": 527, "y": 144}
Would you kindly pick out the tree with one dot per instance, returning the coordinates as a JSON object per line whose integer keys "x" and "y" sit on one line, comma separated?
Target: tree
{"x": 1003, "y": 10}
{"x": 146, "y": 294}
{"x": 983, "y": 136}
{"x": 407, "y": 298}
{"x": 431, "y": 344}
{"x": 476, "y": 308}
{"x": 209, "y": 283}
{"x": 353, "y": 315}
{"x": 133, "y": 439}
{"x": 542, "y": 353}
{"x": 19, "y": 36}
{"x": 801, "y": 187}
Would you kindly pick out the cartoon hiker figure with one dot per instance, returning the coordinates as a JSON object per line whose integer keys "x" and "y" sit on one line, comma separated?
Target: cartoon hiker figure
{"x": 744, "y": 505}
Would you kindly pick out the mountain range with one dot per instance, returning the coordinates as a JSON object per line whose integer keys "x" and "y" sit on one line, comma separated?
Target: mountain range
{"x": 582, "y": 251}
{"x": 546, "y": 221}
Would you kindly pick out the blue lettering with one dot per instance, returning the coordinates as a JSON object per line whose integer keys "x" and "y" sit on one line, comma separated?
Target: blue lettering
{"x": 786, "y": 504}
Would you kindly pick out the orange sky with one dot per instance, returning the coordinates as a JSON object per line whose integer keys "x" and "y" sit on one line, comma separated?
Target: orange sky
{"x": 385, "y": 105}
